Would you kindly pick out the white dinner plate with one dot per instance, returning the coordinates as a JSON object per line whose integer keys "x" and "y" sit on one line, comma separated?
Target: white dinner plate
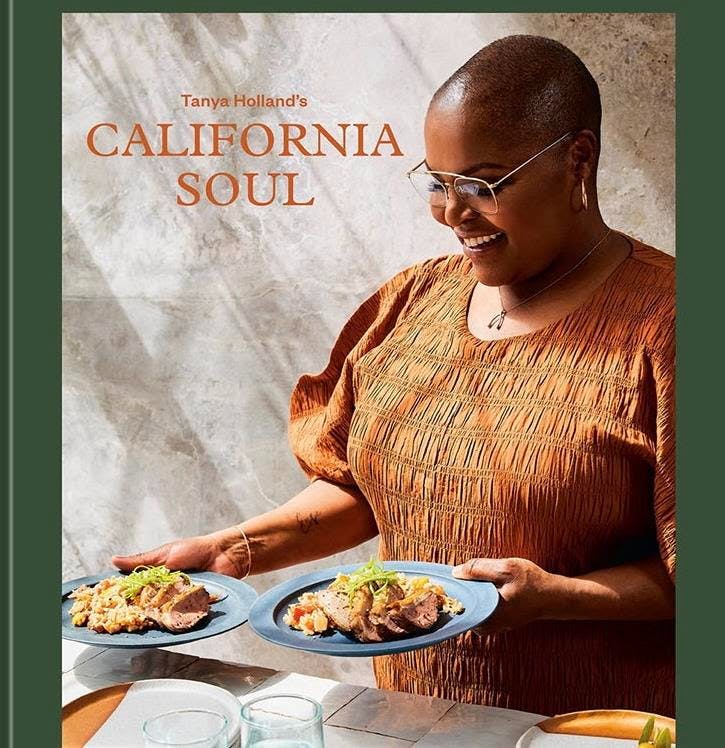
{"x": 114, "y": 716}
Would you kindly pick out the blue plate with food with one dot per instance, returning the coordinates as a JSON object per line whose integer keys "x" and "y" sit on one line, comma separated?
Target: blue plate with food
{"x": 152, "y": 607}
{"x": 372, "y": 609}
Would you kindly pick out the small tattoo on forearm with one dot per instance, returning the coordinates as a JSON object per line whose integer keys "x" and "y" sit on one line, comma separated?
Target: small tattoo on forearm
{"x": 308, "y": 522}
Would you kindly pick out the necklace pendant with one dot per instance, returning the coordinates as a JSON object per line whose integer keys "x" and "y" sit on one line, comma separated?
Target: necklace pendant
{"x": 497, "y": 320}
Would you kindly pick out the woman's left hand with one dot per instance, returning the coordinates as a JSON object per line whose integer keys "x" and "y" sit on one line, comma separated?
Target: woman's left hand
{"x": 523, "y": 586}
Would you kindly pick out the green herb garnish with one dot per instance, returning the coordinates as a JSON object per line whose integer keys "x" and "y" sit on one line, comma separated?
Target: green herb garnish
{"x": 374, "y": 576}
{"x": 142, "y": 576}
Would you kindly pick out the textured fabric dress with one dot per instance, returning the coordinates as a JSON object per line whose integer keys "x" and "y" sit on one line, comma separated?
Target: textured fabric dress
{"x": 556, "y": 446}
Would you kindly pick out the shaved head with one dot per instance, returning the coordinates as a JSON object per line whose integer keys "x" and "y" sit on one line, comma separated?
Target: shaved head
{"x": 527, "y": 88}
{"x": 502, "y": 119}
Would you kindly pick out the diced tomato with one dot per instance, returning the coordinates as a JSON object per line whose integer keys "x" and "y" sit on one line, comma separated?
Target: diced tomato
{"x": 300, "y": 610}
{"x": 297, "y": 612}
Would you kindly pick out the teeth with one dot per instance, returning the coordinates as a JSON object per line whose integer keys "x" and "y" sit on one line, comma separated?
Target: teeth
{"x": 475, "y": 241}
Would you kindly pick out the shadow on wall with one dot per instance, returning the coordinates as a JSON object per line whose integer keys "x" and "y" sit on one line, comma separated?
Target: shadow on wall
{"x": 104, "y": 353}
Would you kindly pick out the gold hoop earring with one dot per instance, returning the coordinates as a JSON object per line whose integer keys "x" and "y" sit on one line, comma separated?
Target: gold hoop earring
{"x": 584, "y": 196}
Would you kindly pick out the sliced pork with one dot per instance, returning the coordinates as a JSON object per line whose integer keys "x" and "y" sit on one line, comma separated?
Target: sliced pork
{"x": 336, "y": 606}
{"x": 183, "y": 610}
{"x": 380, "y": 614}
{"x": 422, "y": 612}
{"x": 153, "y": 596}
{"x": 363, "y": 627}
{"x": 386, "y": 618}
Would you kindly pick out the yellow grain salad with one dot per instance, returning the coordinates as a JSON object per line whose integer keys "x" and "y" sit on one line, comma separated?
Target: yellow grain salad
{"x": 307, "y": 616}
{"x": 415, "y": 586}
{"x": 103, "y": 608}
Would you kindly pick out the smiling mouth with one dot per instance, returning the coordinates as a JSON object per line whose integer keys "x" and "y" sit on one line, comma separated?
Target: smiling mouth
{"x": 484, "y": 241}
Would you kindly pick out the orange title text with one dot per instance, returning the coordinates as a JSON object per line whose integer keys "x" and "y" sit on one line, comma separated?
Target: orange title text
{"x": 254, "y": 143}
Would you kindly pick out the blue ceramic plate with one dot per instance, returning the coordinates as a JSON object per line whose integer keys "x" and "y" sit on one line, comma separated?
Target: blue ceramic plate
{"x": 478, "y": 598}
{"x": 230, "y": 611}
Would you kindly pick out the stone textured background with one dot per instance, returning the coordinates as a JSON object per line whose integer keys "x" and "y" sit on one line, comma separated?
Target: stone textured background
{"x": 185, "y": 329}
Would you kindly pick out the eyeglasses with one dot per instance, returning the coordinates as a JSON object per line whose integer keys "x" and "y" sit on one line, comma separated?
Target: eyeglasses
{"x": 477, "y": 193}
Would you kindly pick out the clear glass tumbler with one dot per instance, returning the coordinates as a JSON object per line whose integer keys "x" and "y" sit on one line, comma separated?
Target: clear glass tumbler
{"x": 196, "y": 728}
{"x": 282, "y": 721}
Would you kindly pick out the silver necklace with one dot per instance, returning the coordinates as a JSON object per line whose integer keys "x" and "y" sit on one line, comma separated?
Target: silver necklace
{"x": 501, "y": 316}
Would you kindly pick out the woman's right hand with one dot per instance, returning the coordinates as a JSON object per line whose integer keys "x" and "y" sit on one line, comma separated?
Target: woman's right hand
{"x": 324, "y": 518}
{"x": 214, "y": 552}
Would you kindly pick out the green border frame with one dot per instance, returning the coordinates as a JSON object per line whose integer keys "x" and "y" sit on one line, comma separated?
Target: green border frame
{"x": 31, "y": 375}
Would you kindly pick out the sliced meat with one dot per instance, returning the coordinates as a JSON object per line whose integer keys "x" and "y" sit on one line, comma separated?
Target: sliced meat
{"x": 183, "y": 611}
{"x": 153, "y": 596}
{"x": 377, "y": 621}
{"x": 389, "y": 627}
{"x": 363, "y": 628}
{"x": 336, "y": 606}
{"x": 395, "y": 592}
{"x": 421, "y": 612}
{"x": 380, "y": 615}
{"x": 351, "y": 618}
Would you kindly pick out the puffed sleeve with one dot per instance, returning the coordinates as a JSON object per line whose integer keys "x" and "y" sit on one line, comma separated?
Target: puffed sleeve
{"x": 663, "y": 366}
{"x": 322, "y": 405}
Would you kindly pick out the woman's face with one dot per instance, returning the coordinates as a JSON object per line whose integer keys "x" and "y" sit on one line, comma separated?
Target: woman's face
{"x": 535, "y": 216}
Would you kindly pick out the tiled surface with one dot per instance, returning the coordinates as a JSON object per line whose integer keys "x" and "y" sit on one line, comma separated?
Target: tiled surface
{"x": 397, "y": 715}
{"x": 355, "y": 717}
{"x": 332, "y": 695}
{"x": 74, "y": 653}
{"x": 341, "y": 737}
{"x": 121, "y": 665}
{"x": 463, "y": 725}
{"x": 236, "y": 679}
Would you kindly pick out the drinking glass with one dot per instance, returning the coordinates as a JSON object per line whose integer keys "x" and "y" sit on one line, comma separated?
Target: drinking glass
{"x": 282, "y": 721}
{"x": 196, "y": 728}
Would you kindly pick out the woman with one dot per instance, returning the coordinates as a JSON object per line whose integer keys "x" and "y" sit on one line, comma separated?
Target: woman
{"x": 507, "y": 410}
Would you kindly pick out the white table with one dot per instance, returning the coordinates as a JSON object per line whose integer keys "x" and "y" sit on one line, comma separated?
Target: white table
{"x": 353, "y": 715}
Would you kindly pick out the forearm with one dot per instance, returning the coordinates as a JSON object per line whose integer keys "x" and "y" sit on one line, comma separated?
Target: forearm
{"x": 321, "y": 520}
{"x": 636, "y": 591}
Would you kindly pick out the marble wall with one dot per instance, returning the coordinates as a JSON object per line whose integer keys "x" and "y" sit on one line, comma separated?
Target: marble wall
{"x": 184, "y": 329}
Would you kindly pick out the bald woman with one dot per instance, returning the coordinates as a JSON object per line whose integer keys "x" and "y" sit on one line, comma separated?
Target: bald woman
{"x": 507, "y": 410}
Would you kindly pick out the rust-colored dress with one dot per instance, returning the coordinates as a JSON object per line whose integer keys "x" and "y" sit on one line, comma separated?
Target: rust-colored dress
{"x": 556, "y": 446}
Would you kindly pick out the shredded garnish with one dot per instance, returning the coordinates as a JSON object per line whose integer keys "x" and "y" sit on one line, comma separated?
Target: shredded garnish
{"x": 142, "y": 576}
{"x": 373, "y": 575}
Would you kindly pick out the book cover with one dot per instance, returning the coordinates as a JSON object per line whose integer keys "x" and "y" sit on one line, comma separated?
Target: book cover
{"x": 234, "y": 186}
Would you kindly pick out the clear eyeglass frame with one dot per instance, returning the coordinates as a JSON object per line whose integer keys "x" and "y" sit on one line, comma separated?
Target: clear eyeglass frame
{"x": 477, "y": 193}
